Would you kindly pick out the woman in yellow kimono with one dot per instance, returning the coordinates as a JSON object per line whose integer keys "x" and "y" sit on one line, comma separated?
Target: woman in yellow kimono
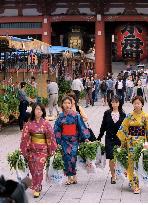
{"x": 133, "y": 129}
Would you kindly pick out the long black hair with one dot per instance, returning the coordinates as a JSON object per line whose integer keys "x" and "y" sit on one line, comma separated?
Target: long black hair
{"x": 116, "y": 99}
{"x": 32, "y": 117}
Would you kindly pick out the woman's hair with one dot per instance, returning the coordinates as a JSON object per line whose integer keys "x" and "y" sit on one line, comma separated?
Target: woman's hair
{"x": 64, "y": 99}
{"x": 115, "y": 98}
{"x": 12, "y": 192}
{"x": 23, "y": 84}
{"x": 32, "y": 117}
{"x": 72, "y": 95}
{"x": 140, "y": 98}
{"x": 137, "y": 81}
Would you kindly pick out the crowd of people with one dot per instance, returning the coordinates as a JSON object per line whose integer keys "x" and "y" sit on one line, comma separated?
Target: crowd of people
{"x": 126, "y": 85}
{"x": 39, "y": 140}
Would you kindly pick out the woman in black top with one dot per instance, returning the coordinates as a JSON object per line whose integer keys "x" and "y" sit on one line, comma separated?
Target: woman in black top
{"x": 112, "y": 120}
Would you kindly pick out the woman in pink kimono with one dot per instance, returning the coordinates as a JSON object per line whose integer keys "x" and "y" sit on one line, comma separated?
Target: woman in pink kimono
{"x": 37, "y": 143}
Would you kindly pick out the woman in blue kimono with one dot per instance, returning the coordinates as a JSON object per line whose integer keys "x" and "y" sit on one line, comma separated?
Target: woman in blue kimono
{"x": 68, "y": 129}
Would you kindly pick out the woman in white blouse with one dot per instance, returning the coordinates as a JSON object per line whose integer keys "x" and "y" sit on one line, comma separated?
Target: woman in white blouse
{"x": 112, "y": 120}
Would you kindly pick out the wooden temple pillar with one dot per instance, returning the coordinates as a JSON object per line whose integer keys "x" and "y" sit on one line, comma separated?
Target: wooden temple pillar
{"x": 46, "y": 30}
{"x": 100, "y": 47}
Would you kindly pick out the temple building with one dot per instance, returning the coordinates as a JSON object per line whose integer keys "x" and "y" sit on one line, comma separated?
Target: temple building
{"x": 116, "y": 29}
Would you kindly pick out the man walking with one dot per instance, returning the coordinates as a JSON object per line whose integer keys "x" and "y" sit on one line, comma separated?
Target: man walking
{"x": 52, "y": 92}
{"x": 77, "y": 87}
{"x": 110, "y": 88}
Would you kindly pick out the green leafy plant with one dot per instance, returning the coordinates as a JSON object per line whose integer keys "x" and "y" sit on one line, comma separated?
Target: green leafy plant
{"x": 121, "y": 155}
{"x": 15, "y": 157}
{"x": 137, "y": 151}
{"x": 82, "y": 94}
{"x": 44, "y": 101}
{"x": 89, "y": 150}
{"x": 57, "y": 163}
{"x": 31, "y": 91}
{"x": 64, "y": 87}
{"x": 145, "y": 160}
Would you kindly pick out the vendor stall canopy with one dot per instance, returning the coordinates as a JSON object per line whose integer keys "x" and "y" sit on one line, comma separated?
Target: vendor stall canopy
{"x": 10, "y": 43}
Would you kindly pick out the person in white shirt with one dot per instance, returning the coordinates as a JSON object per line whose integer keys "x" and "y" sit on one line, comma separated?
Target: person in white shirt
{"x": 129, "y": 88}
{"x": 52, "y": 92}
{"x": 77, "y": 87}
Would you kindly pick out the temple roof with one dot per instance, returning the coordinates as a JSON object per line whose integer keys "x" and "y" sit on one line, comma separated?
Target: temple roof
{"x": 74, "y": 7}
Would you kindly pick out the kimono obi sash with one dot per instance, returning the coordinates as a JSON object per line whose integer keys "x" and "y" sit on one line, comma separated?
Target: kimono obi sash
{"x": 136, "y": 131}
{"x": 69, "y": 130}
{"x": 38, "y": 138}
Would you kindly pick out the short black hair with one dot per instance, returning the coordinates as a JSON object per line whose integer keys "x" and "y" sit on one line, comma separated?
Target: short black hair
{"x": 23, "y": 84}
{"x": 33, "y": 111}
{"x": 48, "y": 80}
{"x": 32, "y": 77}
{"x": 11, "y": 191}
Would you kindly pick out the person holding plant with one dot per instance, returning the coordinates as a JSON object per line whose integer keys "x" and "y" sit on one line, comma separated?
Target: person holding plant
{"x": 134, "y": 128}
{"x": 68, "y": 128}
{"x": 112, "y": 120}
{"x": 37, "y": 144}
{"x": 24, "y": 103}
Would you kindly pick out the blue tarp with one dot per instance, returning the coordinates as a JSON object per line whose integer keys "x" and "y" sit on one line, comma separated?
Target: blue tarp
{"x": 51, "y": 49}
{"x": 19, "y": 39}
{"x": 61, "y": 49}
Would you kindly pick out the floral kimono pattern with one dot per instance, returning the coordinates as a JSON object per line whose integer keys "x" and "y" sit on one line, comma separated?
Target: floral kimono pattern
{"x": 68, "y": 129}
{"x": 36, "y": 153}
{"x": 133, "y": 129}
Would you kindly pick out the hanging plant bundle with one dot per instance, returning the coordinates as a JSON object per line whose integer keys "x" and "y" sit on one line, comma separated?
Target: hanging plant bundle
{"x": 137, "y": 151}
{"x": 121, "y": 155}
{"x": 89, "y": 150}
{"x": 57, "y": 163}
{"x": 14, "y": 158}
{"x": 145, "y": 160}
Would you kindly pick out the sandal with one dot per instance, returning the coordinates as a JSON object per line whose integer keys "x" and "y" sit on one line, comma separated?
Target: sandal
{"x": 68, "y": 183}
{"x": 74, "y": 182}
{"x": 113, "y": 180}
{"x": 36, "y": 194}
{"x": 137, "y": 191}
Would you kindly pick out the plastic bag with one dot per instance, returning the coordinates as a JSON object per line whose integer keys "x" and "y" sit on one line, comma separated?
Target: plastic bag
{"x": 103, "y": 160}
{"x": 120, "y": 171}
{"x": 100, "y": 159}
{"x": 53, "y": 175}
{"x": 81, "y": 163}
{"x": 90, "y": 166}
{"x": 142, "y": 175}
{"x": 23, "y": 175}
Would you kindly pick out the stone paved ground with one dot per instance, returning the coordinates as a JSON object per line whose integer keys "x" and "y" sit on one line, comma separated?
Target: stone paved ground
{"x": 91, "y": 188}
